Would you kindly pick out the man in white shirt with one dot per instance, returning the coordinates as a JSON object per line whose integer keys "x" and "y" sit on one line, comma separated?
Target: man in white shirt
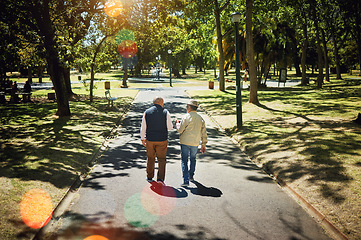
{"x": 156, "y": 123}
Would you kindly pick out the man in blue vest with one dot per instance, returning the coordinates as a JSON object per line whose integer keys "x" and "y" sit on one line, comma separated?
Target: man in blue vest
{"x": 156, "y": 123}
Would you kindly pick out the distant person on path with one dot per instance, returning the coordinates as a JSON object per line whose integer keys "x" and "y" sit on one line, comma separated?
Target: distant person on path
{"x": 192, "y": 130}
{"x": 156, "y": 123}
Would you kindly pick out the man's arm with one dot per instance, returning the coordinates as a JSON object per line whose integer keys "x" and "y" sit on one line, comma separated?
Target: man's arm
{"x": 169, "y": 122}
{"x": 181, "y": 126}
{"x": 204, "y": 139}
{"x": 143, "y": 129}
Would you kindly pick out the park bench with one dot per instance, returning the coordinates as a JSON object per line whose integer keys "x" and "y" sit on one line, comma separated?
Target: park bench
{"x": 109, "y": 98}
{"x": 14, "y": 96}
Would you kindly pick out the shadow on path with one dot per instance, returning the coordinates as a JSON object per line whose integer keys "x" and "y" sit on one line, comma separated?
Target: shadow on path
{"x": 202, "y": 190}
{"x": 167, "y": 191}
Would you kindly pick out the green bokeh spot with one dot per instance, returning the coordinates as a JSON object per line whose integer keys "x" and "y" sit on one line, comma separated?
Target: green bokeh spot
{"x": 123, "y": 35}
{"x": 135, "y": 213}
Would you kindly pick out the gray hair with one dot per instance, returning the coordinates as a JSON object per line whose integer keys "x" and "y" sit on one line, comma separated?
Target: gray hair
{"x": 157, "y": 100}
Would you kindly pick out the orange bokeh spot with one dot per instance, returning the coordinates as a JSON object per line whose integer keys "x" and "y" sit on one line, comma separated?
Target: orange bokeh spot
{"x": 96, "y": 237}
{"x": 36, "y": 208}
{"x": 113, "y": 8}
{"x": 127, "y": 48}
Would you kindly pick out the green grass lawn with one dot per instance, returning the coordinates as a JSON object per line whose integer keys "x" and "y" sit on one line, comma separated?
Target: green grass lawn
{"x": 305, "y": 136}
{"x": 40, "y": 150}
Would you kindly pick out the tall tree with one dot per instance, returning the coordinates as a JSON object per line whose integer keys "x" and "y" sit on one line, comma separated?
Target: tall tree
{"x": 59, "y": 24}
{"x": 253, "y": 98}
{"x": 320, "y": 55}
{"x": 217, "y": 14}
{"x": 304, "y": 20}
{"x": 40, "y": 11}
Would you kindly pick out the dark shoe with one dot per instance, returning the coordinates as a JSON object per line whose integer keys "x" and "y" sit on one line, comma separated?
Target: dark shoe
{"x": 150, "y": 180}
{"x": 185, "y": 184}
{"x": 191, "y": 179}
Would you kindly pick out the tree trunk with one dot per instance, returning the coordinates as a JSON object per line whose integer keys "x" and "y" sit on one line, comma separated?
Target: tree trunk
{"x": 304, "y": 80}
{"x": 41, "y": 14}
{"x": 55, "y": 71}
{"x": 175, "y": 71}
{"x": 319, "y": 49}
{"x": 327, "y": 68}
{"x": 358, "y": 31}
{"x": 125, "y": 75}
{"x": 217, "y": 13}
{"x": 359, "y": 45}
{"x": 30, "y": 75}
{"x": 40, "y": 74}
{"x": 91, "y": 86}
{"x": 253, "y": 98}
{"x": 335, "y": 47}
{"x": 92, "y": 66}
{"x": 66, "y": 72}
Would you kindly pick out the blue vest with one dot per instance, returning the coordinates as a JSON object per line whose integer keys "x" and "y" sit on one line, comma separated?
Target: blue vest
{"x": 156, "y": 119}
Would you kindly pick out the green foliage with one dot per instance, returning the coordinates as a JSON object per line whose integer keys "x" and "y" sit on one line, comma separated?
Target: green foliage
{"x": 186, "y": 27}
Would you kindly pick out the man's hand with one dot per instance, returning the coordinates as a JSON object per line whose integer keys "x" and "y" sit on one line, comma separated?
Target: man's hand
{"x": 203, "y": 149}
{"x": 144, "y": 142}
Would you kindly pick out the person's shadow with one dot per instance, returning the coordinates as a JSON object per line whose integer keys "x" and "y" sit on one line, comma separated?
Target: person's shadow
{"x": 167, "y": 191}
{"x": 202, "y": 190}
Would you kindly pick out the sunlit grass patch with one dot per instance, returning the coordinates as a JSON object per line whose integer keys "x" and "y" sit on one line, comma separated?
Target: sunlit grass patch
{"x": 306, "y": 136}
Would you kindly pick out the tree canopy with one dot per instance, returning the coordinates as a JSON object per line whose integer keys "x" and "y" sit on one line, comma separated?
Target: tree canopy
{"x": 59, "y": 35}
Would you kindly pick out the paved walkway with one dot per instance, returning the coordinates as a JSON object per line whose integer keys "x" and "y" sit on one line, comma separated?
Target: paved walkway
{"x": 231, "y": 198}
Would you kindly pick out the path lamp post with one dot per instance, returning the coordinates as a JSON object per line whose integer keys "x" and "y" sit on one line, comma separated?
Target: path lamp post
{"x": 170, "y": 66}
{"x": 157, "y": 67}
{"x": 236, "y": 17}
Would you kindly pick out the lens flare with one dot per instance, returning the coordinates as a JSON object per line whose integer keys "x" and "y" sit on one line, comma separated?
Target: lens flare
{"x": 96, "y": 237}
{"x": 158, "y": 200}
{"x": 127, "y": 48}
{"x": 36, "y": 208}
{"x": 135, "y": 213}
{"x": 124, "y": 34}
{"x": 113, "y": 8}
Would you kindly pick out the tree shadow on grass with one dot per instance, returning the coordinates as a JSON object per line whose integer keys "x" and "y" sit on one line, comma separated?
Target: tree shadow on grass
{"x": 318, "y": 148}
{"x": 37, "y": 146}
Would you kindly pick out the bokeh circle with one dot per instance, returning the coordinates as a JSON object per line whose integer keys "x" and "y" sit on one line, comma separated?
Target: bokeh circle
{"x": 36, "y": 208}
